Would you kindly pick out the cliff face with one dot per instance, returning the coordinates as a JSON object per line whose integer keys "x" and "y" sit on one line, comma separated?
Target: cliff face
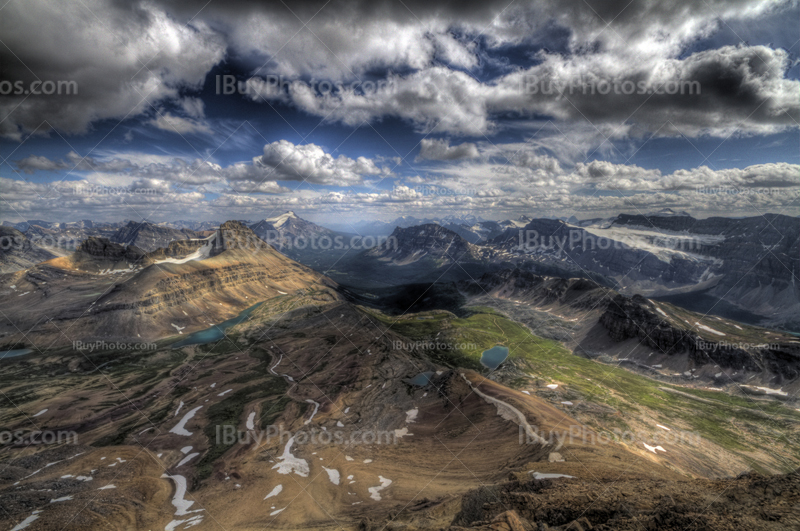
{"x": 104, "y": 249}
{"x": 554, "y": 242}
{"x": 108, "y": 290}
{"x": 17, "y": 252}
{"x": 406, "y": 246}
{"x": 756, "y": 258}
{"x": 636, "y": 317}
{"x": 150, "y": 237}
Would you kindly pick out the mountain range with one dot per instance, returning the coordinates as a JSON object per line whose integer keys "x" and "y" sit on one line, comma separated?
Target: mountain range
{"x": 250, "y": 380}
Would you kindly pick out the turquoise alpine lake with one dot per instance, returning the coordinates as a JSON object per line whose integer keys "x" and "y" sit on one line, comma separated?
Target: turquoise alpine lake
{"x": 493, "y": 357}
{"x": 216, "y": 332}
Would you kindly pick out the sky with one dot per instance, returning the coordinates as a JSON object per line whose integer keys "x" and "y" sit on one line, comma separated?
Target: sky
{"x": 348, "y": 111}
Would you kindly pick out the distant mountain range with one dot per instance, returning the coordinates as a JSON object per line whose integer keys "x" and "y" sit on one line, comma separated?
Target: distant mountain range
{"x": 149, "y": 236}
{"x": 743, "y": 268}
{"x": 139, "y": 295}
{"x": 740, "y": 268}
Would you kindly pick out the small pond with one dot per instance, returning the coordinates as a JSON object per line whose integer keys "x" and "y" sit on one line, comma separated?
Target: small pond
{"x": 493, "y": 357}
{"x": 216, "y": 332}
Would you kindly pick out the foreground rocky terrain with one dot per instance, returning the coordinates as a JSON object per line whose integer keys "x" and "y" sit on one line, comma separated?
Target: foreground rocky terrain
{"x": 749, "y": 501}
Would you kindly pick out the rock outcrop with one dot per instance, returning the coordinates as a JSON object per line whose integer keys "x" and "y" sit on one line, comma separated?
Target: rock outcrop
{"x": 17, "y": 252}
{"x": 149, "y": 236}
{"x": 433, "y": 242}
{"x": 636, "y": 317}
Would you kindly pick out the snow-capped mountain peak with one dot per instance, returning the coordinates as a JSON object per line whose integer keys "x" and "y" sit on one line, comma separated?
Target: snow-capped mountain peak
{"x": 279, "y": 221}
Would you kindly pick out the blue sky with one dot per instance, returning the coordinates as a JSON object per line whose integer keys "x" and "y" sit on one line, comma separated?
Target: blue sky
{"x": 455, "y": 114}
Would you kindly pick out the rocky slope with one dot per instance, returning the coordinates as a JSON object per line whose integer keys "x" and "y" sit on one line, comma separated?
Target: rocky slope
{"x": 107, "y": 290}
{"x": 18, "y": 252}
{"x": 366, "y": 444}
{"x": 329, "y": 432}
{"x": 149, "y": 236}
{"x": 737, "y": 354}
{"x": 287, "y": 229}
{"x": 596, "y": 321}
{"x": 756, "y": 259}
{"x": 431, "y": 242}
{"x": 750, "y": 501}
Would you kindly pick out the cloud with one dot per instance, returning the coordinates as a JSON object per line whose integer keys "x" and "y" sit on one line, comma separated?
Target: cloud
{"x": 194, "y": 107}
{"x": 433, "y": 149}
{"x": 283, "y": 160}
{"x": 128, "y": 57}
{"x": 279, "y": 161}
{"x": 263, "y": 187}
{"x": 177, "y": 124}
{"x": 72, "y": 162}
{"x": 136, "y": 166}
{"x": 713, "y": 92}
{"x": 123, "y": 58}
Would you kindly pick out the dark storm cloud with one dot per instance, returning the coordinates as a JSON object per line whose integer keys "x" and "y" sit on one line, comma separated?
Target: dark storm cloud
{"x": 128, "y": 58}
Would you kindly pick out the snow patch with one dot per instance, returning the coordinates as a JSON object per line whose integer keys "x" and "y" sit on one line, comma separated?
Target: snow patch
{"x": 28, "y": 521}
{"x": 707, "y": 329}
{"x": 333, "y": 475}
{"x": 374, "y": 492}
{"x": 316, "y": 408}
{"x": 653, "y": 448}
{"x": 541, "y": 475}
{"x": 289, "y": 463}
{"x": 180, "y": 428}
{"x": 274, "y": 492}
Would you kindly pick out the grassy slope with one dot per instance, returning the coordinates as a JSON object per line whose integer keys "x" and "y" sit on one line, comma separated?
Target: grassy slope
{"x": 738, "y": 424}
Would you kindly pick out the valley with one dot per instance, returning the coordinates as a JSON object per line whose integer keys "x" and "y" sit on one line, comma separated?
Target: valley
{"x": 307, "y": 410}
